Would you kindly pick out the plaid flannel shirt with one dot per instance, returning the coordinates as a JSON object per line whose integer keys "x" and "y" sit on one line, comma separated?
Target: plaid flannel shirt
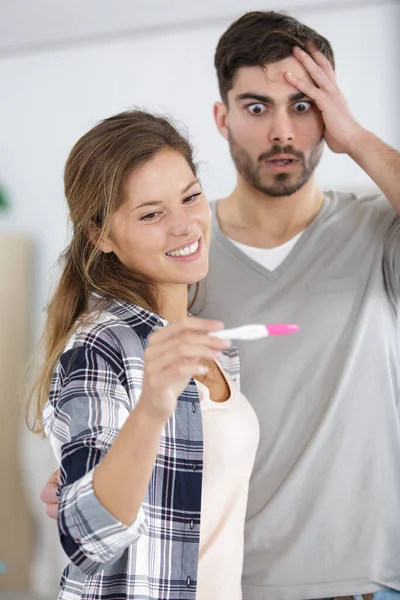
{"x": 95, "y": 385}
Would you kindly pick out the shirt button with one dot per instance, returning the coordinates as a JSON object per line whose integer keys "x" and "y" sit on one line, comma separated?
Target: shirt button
{"x": 194, "y": 407}
{"x": 191, "y": 524}
{"x": 188, "y": 581}
{"x": 193, "y": 467}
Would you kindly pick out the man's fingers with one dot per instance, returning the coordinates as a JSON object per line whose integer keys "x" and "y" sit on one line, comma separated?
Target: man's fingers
{"x": 48, "y": 495}
{"x": 303, "y": 86}
{"x": 52, "y": 510}
{"x": 322, "y": 61}
{"x": 316, "y": 73}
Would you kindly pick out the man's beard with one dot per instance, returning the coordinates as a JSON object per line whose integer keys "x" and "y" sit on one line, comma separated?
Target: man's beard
{"x": 282, "y": 184}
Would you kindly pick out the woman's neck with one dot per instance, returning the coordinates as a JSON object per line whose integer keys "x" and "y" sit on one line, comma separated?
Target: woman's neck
{"x": 173, "y": 301}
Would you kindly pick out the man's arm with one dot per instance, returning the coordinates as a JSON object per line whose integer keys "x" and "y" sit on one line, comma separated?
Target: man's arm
{"x": 48, "y": 495}
{"x": 380, "y": 162}
{"x": 343, "y": 133}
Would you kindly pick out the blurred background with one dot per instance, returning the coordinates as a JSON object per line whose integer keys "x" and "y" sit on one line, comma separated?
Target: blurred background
{"x": 63, "y": 67}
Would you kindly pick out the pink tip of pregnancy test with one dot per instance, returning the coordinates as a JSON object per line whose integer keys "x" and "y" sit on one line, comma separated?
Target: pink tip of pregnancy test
{"x": 281, "y": 329}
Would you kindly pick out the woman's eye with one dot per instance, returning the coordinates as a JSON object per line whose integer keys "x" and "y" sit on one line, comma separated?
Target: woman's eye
{"x": 256, "y": 109}
{"x": 149, "y": 216}
{"x": 302, "y": 107}
{"x": 153, "y": 215}
{"x": 191, "y": 198}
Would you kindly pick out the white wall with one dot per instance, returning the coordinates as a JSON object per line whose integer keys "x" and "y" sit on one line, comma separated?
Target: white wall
{"x": 50, "y": 97}
{"x": 25, "y": 25}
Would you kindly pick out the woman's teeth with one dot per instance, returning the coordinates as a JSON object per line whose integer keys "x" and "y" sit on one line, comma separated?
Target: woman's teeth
{"x": 185, "y": 251}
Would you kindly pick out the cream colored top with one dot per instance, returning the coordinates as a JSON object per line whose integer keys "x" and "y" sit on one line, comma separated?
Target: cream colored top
{"x": 231, "y": 435}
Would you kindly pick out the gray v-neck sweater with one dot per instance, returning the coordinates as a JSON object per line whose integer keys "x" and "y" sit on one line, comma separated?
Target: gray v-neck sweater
{"x": 323, "y": 515}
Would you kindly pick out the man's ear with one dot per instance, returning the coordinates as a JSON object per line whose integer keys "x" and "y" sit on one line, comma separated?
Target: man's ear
{"x": 221, "y": 118}
{"x": 93, "y": 233}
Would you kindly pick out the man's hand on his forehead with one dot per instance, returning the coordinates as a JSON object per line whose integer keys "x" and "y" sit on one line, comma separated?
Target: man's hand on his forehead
{"x": 341, "y": 128}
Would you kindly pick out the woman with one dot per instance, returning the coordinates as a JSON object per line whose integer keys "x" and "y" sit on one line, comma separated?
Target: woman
{"x": 141, "y": 406}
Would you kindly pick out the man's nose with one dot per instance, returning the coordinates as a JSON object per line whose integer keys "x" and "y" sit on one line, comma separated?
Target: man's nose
{"x": 281, "y": 128}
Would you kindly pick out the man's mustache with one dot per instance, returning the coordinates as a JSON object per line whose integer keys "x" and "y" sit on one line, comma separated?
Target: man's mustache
{"x": 276, "y": 150}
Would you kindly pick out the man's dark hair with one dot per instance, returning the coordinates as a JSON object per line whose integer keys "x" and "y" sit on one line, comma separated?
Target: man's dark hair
{"x": 260, "y": 38}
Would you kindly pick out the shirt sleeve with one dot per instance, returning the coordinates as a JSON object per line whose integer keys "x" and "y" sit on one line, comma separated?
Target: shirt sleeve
{"x": 391, "y": 261}
{"x": 91, "y": 407}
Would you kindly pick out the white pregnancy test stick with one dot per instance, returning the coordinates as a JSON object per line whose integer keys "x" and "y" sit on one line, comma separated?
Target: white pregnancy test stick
{"x": 255, "y": 332}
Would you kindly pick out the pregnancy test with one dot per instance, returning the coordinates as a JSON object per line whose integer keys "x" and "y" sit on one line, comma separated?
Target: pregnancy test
{"x": 255, "y": 332}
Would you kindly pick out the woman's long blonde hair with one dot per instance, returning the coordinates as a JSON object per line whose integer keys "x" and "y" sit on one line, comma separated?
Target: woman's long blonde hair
{"x": 95, "y": 172}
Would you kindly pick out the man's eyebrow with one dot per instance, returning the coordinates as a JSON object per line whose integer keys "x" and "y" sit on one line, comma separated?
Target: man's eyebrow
{"x": 159, "y": 203}
{"x": 267, "y": 99}
{"x": 299, "y": 96}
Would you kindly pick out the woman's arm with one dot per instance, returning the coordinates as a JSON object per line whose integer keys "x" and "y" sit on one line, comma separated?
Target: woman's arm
{"x": 173, "y": 356}
{"x": 108, "y": 454}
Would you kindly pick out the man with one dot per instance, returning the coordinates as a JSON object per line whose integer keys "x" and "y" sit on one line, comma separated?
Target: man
{"x": 322, "y": 517}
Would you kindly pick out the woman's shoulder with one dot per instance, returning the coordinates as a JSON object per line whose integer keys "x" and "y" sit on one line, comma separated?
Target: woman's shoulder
{"x": 105, "y": 332}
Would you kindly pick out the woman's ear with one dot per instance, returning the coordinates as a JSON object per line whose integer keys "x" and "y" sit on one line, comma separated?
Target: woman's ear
{"x": 93, "y": 233}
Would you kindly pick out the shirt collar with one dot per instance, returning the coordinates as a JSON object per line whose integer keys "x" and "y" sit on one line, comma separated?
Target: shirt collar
{"x": 131, "y": 313}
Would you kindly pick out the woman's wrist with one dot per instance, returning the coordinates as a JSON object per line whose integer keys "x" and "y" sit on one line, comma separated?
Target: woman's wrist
{"x": 152, "y": 416}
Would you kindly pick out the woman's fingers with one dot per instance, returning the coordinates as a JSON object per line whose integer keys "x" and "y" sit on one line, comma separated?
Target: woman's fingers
{"x": 184, "y": 345}
{"x": 193, "y": 324}
{"x": 186, "y": 338}
{"x": 176, "y": 353}
{"x": 173, "y": 356}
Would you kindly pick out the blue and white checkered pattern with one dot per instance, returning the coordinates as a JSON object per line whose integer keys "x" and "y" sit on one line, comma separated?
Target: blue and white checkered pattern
{"x": 96, "y": 384}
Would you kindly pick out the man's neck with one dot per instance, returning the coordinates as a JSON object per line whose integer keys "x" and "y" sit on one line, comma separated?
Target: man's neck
{"x": 253, "y": 218}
